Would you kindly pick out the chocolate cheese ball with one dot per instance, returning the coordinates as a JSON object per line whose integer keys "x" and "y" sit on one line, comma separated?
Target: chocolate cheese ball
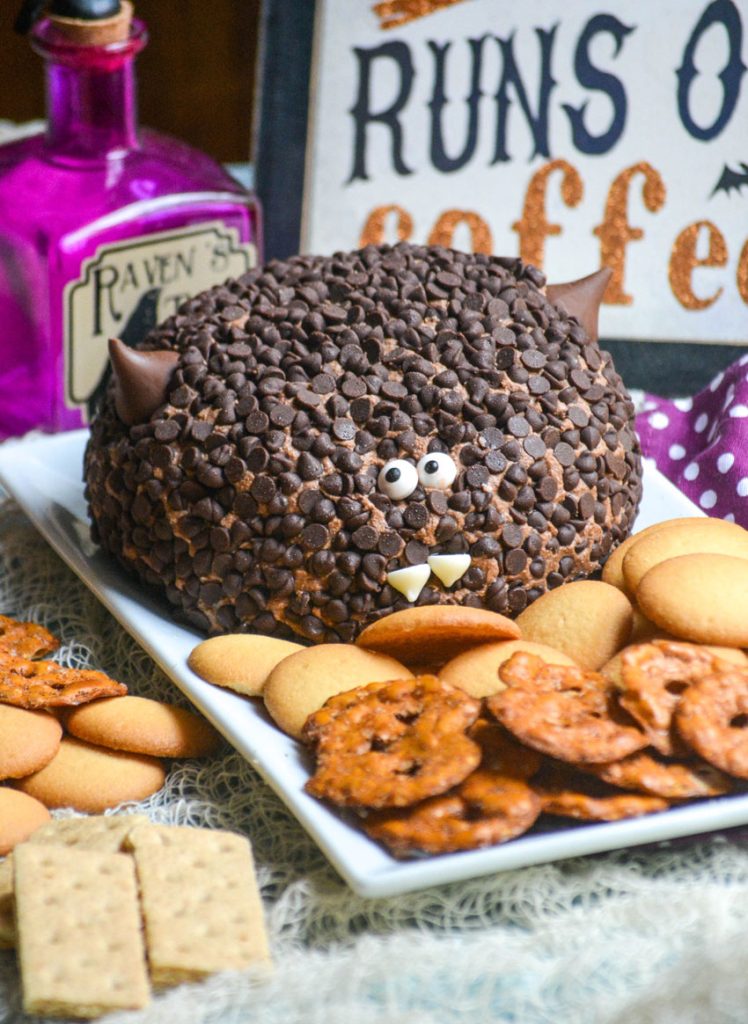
{"x": 276, "y": 454}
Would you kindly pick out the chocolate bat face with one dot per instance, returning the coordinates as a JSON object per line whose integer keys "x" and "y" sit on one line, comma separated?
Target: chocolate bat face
{"x": 421, "y": 427}
{"x": 731, "y": 180}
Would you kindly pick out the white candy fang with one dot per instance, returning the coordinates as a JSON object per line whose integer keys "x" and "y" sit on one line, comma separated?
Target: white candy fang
{"x": 409, "y": 581}
{"x": 449, "y": 568}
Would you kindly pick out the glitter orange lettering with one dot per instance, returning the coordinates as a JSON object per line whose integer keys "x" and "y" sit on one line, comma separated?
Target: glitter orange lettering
{"x": 443, "y": 231}
{"x": 375, "y": 228}
{"x": 534, "y": 227}
{"x": 615, "y": 232}
{"x": 683, "y": 261}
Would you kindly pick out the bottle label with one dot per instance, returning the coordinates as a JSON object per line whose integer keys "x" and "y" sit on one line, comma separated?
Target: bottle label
{"x": 127, "y": 288}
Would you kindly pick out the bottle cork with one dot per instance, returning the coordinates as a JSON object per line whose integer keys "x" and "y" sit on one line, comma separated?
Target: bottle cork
{"x": 100, "y": 32}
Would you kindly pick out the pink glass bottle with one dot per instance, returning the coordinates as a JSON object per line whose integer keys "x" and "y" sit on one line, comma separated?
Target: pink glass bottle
{"x": 104, "y": 227}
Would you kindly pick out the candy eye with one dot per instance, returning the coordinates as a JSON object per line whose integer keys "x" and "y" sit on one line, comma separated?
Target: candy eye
{"x": 436, "y": 470}
{"x": 397, "y": 479}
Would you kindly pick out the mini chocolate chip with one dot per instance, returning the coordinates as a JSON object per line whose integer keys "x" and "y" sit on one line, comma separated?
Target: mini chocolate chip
{"x": 547, "y": 488}
{"x": 586, "y": 506}
{"x": 365, "y": 538}
{"x": 322, "y": 563}
{"x": 307, "y": 399}
{"x": 459, "y": 502}
{"x": 512, "y": 535}
{"x": 564, "y": 453}
{"x": 360, "y": 410}
{"x": 525, "y": 499}
{"x": 516, "y": 599}
{"x": 323, "y": 384}
{"x": 263, "y": 489}
{"x": 209, "y": 476}
{"x": 416, "y": 516}
{"x": 517, "y": 475}
{"x": 323, "y": 511}
{"x": 494, "y": 462}
{"x": 486, "y": 547}
{"x": 282, "y": 415}
{"x": 515, "y": 561}
{"x": 476, "y": 476}
{"x": 348, "y": 462}
{"x": 389, "y": 544}
{"x": 437, "y": 502}
{"x": 394, "y": 389}
{"x": 308, "y": 467}
{"x": 375, "y": 567}
{"x": 590, "y": 437}
{"x": 518, "y": 426}
{"x": 566, "y": 566}
{"x": 353, "y": 387}
{"x": 534, "y": 446}
{"x": 257, "y": 422}
{"x": 446, "y": 529}
{"x": 344, "y": 429}
{"x": 416, "y": 553}
{"x": 166, "y": 430}
{"x": 314, "y": 536}
{"x": 566, "y": 534}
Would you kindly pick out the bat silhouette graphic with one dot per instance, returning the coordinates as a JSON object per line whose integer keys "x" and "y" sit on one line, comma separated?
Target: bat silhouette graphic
{"x": 730, "y": 179}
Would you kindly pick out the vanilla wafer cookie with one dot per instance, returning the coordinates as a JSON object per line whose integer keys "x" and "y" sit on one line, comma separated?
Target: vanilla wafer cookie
{"x": 143, "y": 726}
{"x": 20, "y": 815}
{"x": 93, "y": 779}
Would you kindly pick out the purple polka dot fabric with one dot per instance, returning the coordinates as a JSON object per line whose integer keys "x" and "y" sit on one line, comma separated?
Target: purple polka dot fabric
{"x": 701, "y": 443}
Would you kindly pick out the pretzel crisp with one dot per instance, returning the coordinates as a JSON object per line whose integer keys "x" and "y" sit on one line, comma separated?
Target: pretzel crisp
{"x": 492, "y": 805}
{"x": 25, "y": 639}
{"x": 392, "y": 744}
{"x": 674, "y": 780}
{"x": 711, "y": 717}
{"x": 568, "y": 793}
{"x": 653, "y": 678}
{"x": 564, "y": 711}
{"x": 43, "y": 684}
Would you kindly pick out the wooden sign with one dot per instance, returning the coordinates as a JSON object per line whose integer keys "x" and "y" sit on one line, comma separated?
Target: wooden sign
{"x": 571, "y": 133}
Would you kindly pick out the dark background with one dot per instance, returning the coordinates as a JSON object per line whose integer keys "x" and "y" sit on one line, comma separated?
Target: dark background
{"x": 195, "y": 77}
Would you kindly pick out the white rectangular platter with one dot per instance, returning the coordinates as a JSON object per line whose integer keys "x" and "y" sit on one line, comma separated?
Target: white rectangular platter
{"x": 44, "y": 476}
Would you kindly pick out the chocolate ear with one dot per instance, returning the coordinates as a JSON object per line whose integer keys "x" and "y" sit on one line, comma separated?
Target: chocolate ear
{"x": 582, "y": 298}
{"x": 140, "y": 380}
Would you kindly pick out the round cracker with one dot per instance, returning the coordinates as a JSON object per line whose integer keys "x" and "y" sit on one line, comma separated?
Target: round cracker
{"x": 699, "y": 597}
{"x": 300, "y": 684}
{"x": 707, "y": 536}
{"x": 93, "y": 779}
{"x": 143, "y": 726}
{"x": 20, "y": 815}
{"x": 28, "y": 740}
{"x": 240, "y": 661}
{"x": 588, "y": 620}
{"x": 477, "y": 671}
{"x": 435, "y": 633}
